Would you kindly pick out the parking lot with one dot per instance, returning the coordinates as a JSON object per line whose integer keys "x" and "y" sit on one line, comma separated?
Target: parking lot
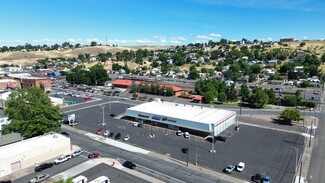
{"x": 264, "y": 151}
{"x": 114, "y": 174}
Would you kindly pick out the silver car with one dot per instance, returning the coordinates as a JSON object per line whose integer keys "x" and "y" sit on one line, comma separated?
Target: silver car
{"x": 40, "y": 178}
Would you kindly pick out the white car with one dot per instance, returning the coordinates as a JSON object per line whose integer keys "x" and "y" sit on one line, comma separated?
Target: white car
{"x": 187, "y": 135}
{"x": 106, "y": 132}
{"x": 179, "y": 133}
{"x": 77, "y": 153}
{"x": 126, "y": 138}
{"x": 240, "y": 167}
{"x": 61, "y": 159}
{"x": 136, "y": 124}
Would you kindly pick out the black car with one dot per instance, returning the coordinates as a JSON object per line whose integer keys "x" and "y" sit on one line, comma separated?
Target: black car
{"x": 184, "y": 150}
{"x": 43, "y": 167}
{"x": 111, "y": 134}
{"x": 221, "y": 138}
{"x": 129, "y": 164}
{"x": 118, "y": 136}
{"x": 112, "y": 115}
{"x": 5, "y": 181}
{"x": 65, "y": 134}
{"x": 257, "y": 178}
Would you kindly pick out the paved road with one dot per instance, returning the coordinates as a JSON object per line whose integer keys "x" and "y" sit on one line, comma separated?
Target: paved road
{"x": 164, "y": 170}
{"x": 317, "y": 164}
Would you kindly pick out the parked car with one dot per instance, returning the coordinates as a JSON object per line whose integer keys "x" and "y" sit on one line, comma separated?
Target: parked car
{"x": 118, "y": 136}
{"x": 68, "y": 156}
{"x": 99, "y": 131}
{"x": 88, "y": 98}
{"x": 40, "y": 178}
{"x": 187, "y": 135}
{"x": 61, "y": 159}
{"x": 229, "y": 169}
{"x": 129, "y": 164}
{"x": 257, "y": 178}
{"x": 240, "y": 167}
{"x": 77, "y": 153}
{"x": 184, "y": 150}
{"x": 126, "y": 138}
{"x": 179, "y": 133}
{"x": 266, "y": 179}
{"x": 106, "y": 132}
{"x": 221, "y": 138}
{"x": 111, "y": 134}
{"x": 65, "y": 134}
{"x": 43, "y": 166}
{"x": 5, "y": 181}
{"x": 112, "y": 115}
{"x": 93, "y": 155}
{"x": 135, "y": 124}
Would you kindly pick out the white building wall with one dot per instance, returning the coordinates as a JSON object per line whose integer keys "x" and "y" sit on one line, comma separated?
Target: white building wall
{"x": 29, "y": 157}
{"x": 224, "y": 125}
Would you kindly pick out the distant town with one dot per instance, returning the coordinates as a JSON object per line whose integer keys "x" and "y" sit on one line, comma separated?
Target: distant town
{"x": 227, "y": 111}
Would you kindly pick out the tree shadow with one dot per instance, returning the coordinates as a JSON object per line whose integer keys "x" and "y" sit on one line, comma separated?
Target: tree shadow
{"x": 282, "y": 122}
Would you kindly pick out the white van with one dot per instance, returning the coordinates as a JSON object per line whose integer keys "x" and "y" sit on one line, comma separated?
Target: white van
{"x": 101, "y": 179}
{"x": 80, "y": 179}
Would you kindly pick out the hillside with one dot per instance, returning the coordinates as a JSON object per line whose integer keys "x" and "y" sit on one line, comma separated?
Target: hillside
{"x": 29, "y": 58}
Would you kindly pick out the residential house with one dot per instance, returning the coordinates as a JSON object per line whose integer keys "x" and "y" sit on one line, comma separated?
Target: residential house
{"x": 272, "y": 62}
{"x": 225, "y": 68}
{"x": 299, "y": 69}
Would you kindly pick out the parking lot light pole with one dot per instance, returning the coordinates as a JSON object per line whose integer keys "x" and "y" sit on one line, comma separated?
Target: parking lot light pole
{"x": 296, "y": 158}
{"x": 188, "y": 151}
{"x": 212, "y": 140}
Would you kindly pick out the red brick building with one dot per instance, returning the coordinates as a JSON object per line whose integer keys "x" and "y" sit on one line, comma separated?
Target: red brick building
{"x": 9, "y": 84}
{"x": 36, "y": 82}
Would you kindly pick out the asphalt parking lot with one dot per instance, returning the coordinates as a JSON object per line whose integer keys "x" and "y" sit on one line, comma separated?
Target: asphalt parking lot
{"x": 56, "y": 169}
{"x": 114, "y": 174}
{"x": 71, "y": 99}
{"x": 263, "y": 151}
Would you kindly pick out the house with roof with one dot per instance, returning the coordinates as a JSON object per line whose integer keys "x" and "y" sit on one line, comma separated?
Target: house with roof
{"x": 272, "y": 62}
{"x": 299, "y": 69}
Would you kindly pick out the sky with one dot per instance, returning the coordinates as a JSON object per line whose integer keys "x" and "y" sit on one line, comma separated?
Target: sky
{"x": 158, "y": 22}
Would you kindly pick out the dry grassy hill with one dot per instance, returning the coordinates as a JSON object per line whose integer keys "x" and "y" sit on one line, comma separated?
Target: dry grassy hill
{"x": 29, "y": 58}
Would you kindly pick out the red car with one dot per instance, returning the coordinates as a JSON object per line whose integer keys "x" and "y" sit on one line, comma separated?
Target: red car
{"x": 88, "y": 98}
{"x": 99, "y": 131}
{"x": 93, "y": 155}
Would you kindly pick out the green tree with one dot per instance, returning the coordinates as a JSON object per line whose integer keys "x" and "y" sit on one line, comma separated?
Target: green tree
{"x": 69, "y": 180}
{"x": 208, "y": 97}
{"x": 302, "y": 44}
{"x": 290, "y": 114}
{"x": 259, "y": 98}
{"x": 244, "y": 92}
{"x": 272, "y": 98}
{"x": 194, "y": 74}
{"x": 93, "y": 43}
{"x": 222, "y": 97}
{"x": 31, "y": 113}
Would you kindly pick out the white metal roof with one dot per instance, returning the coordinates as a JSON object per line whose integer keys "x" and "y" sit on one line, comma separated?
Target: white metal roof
{"x": 29, "y": 144}
{"x": 199, "y": 114}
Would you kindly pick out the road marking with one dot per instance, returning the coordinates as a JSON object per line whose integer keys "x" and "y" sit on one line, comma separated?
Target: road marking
{"x": 160, "y": 175}
{"x": 78, "y": 109}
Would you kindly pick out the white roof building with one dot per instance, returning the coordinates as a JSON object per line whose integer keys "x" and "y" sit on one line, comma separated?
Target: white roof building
{"x": 192, "y": 117}
{"x": 33, "y": 151}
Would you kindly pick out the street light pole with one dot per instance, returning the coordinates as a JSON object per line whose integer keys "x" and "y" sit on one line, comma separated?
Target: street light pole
{"x": 296, "y": 169}
{"x": 188, "y": 151}
{"x": 311, "y": 127}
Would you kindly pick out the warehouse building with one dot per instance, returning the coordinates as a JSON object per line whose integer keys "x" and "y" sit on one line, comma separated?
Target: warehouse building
{"x": 31, "y": 152}
{"x": 173, "y": 115}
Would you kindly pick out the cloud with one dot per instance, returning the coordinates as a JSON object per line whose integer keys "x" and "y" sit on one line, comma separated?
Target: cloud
{"x": 143, "y": 41}
{"x": 205, "y": 38}
{"x": 303, "y": 5}
{"x": 162, "y": 39}
{"x": 215, "y": 35}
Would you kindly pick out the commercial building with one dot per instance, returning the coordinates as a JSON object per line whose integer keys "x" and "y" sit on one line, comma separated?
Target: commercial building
{"x": 31, "y": 152}
{"x": 194, "y": 118}
{"x": 9, "y": 84}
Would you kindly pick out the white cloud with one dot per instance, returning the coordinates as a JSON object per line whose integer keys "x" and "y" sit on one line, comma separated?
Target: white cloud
{"x": 162, "y": 39}
{"x": 269, "y": 39}
{"x": 305, "y": 37}
{"x": 143, "y": 41}
{"x": 175, "y": 42}
{"x": 202, "y": 37}
{"x": 215, "y": 35}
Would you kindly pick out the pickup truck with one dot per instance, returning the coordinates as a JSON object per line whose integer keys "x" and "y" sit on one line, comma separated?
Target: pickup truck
{"x": 40, "y": 178}
{"x": 61, "y": 159}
